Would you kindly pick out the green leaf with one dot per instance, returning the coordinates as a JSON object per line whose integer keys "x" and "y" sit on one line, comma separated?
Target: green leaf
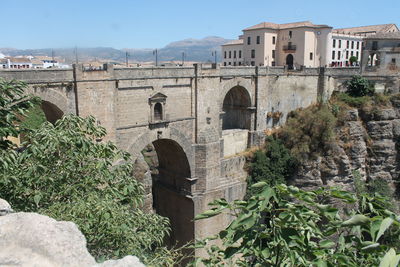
{"x": 259, "y": 184}
{"x": 37, "y": 199}
{"x": 207, "y": 214}
{"x": 390, "y": 259}
{"x": 358, "y": 219}
{"x": 386, "y": 223}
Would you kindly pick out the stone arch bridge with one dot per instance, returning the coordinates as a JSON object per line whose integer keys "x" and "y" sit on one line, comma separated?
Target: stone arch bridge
{"x": 198, "y": 119}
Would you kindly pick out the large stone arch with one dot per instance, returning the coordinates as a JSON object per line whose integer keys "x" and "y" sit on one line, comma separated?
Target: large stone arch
{"x": 172, "y": 186}
{"x": 149, "y": 136}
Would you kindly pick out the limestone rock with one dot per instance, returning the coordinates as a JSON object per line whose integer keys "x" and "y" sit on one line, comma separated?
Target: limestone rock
{"x": 30, "y": 239}
{"x": 5, "y": 208}
{"x": 351, "y": 115}
{"x": 385, "y": 114}
{"x": 34, "y": 240}
{"x": 128, "y": 261}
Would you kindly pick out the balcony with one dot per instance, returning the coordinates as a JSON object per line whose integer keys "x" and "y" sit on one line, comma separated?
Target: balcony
{"x": 289, "y": 48}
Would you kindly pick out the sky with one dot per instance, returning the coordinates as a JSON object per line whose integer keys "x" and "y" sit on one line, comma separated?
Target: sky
{"x": 155, "y": 23}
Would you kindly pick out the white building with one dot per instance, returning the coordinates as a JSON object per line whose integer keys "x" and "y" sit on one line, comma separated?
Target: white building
{"x": 15, "y": 63}
{"x": 348, "y": 42}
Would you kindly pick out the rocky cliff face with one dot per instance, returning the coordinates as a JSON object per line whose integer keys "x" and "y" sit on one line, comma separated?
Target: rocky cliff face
{"x": 367, "y": 145}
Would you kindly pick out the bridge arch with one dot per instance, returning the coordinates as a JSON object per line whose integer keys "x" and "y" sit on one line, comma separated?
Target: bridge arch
{"x": 54, "y": 104}
{"x": 171, "y": 186}
{"x": 236, "y": 109}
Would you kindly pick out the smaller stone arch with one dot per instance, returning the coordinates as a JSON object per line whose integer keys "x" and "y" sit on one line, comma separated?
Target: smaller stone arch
{"x": 51, "y": 111}
{"x": 236, "y": 109}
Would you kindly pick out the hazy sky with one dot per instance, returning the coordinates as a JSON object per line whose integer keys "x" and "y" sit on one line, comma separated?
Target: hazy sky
{"x": 155, "y": 23}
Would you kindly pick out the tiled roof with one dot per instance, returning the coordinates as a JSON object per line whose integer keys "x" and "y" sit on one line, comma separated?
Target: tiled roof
{"x": 365, "y": 29}
{"x": 270, "y": 25}
{"x": 385, "y": 35}
{"x": 234, "y": 42}
{"x": 19, "y": 60}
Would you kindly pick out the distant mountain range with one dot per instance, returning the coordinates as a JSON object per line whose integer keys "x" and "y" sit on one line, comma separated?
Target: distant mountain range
{"x": 198, "y": 50}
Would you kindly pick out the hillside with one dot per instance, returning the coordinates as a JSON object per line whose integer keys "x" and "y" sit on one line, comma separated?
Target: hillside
{"x": 195, "y": 50}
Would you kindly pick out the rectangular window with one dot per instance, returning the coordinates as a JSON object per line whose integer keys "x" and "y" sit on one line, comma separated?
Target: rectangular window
{"x": 358, "y": 45}
{"x": 357, "y": 54}
{"x": 352, "y": 44}
{"x": 393, "y": 61}
{"x": 334, "y": 42}
{"x": 248, "y": 40}
{"x": 224, "y": 63}
{"x": 290, "y": 34}
{"x": 340, "y": 43}
{"x": 258, "y": 39}
{"x": 273, "y": 63}
{"x": 240, "y": 63}
{"x": 234, "y": 54}
{"x": 351, "y": 53}
{"x": 230, "y": 54}
{"x": 234, "y": 63}
{"x": 333, "y": 54}
{"x": 338, "y": 55}
{"x": 311, "y": 56}
{"x": 225, "y": 54}
{"x": 347, "y": 44}
{"x": 253, "y": 53}
{"x": 375, "y": 45}
{"x": 253, "y": 63}
{"x": 347, "y": 54}
{"x": 273, "y": 39}
{"x": 273, "y": 53}
{"x": 240, "y": 53}
{"x": 229, "y": 63}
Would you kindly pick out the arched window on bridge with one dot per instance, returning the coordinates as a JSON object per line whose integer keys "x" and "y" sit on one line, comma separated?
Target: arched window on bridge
{"x": 157, "y": 108}
{"x": 158, "y": 116}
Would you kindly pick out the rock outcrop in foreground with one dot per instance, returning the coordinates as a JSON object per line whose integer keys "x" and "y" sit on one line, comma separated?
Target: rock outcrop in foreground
{"x": 31, "y": 239}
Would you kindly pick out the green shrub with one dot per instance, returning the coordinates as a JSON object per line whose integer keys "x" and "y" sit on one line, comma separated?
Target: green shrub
{"x": 359, "y": 86}
{"x": 308, "y": 131}
{"x": 33, "y": 118}
{"x": 274, "y": 166}
{"x": 352, "y": 101}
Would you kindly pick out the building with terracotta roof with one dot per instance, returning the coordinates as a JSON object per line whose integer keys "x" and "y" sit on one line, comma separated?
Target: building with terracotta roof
{"x": 368, "y": 30}
{"x": 299, "y": 44}
{"x": 270, "y": 44}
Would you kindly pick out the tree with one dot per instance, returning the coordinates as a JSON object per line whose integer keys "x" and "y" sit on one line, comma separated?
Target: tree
{"x": 359, "y": 86}
{"x": 353, "y": 59}
{"x": 66, "y": 172}
{"x": 286, "y": 226}
{"x": 274, "y": 165}
{"x": 13, "y": 105}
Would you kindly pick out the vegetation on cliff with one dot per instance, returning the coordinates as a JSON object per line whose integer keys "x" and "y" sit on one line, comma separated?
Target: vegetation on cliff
{"x": 66, "y": 172}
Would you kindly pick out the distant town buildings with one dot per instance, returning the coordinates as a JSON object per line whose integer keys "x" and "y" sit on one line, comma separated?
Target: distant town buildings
{"x": 299, "y": 44}
{"x": 29, "y": 62}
